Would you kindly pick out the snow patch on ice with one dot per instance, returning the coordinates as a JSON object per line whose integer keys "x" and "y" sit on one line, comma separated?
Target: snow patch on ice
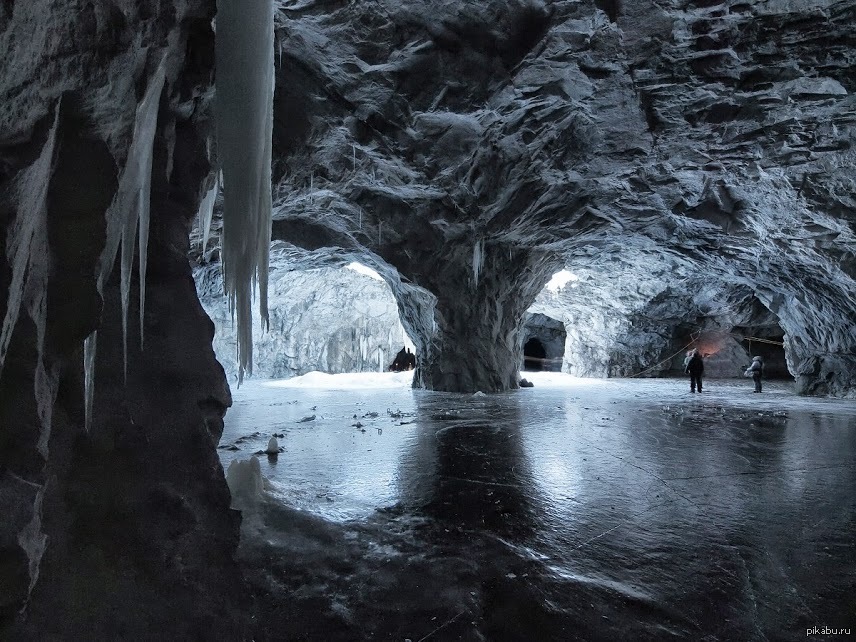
{"x": 362, "y": 269}
{"x": 563, "y": 380}
{"x": 346, "y": 381}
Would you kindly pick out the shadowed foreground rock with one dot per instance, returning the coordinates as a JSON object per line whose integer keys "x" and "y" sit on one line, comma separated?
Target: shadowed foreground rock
{"x": 122, "y": 532}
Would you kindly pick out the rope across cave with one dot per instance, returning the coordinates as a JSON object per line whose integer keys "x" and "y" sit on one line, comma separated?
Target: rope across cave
{"x": 669, "y": 358}
{"x": 694, "y": 339}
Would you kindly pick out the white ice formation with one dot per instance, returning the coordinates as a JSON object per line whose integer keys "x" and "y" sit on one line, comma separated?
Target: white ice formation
{"x": 128, "y": 214}
{"x": 245, "y": 481}
{"x": 28, "y": 256}
{"x": 272, "y": 447}
{"x": 244, "y": 108}
{"x": 478, "y": 257}
{"x": 206, "y": 212}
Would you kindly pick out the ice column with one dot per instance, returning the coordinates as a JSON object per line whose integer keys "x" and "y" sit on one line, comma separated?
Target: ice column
{"x": 244, "y": 109}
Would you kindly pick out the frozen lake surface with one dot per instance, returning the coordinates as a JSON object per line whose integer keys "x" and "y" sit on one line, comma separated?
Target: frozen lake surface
{"x": 575, "y": 510}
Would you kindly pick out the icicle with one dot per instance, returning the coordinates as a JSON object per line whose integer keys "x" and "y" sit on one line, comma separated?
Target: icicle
{"x": 90, "y": 345}
{"x": 244, "y": 104}
{"x": 478, "y": 257}
{"x": 33, "y": 540}
{"x": 149, "y": 108}
{"x": 27, "y": 235}
{"x": 28, "y": 255}
{"x": 129, "y": 209}
{"x": 206, "y": 212}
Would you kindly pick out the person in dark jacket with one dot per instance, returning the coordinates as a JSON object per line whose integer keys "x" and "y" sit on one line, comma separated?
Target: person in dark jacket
{"x": 756, "y": 370}
{"x": 695, "y": 369}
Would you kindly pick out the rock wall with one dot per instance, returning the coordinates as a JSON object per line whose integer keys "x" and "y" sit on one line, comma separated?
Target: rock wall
{"x": 651, "y": 147}
{"x": 122, "y": 531}
{"x": 327, "y": 319}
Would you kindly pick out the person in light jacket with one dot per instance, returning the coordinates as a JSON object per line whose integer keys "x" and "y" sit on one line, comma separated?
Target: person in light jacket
{"x": 756, "y": 371}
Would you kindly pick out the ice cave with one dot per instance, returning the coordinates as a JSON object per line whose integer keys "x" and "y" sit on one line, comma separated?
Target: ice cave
{"x": 222, "y": 221}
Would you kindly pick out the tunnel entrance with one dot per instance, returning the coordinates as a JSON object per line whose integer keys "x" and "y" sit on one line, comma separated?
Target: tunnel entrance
{"x": 727, "y": 353}
{"x": 543, "y": 343}
{"x": 534, "y": 355}
{"x": 767, "y": 343}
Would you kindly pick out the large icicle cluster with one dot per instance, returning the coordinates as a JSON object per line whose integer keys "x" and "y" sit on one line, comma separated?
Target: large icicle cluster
{"x": 29, "y": 257}
{"x": 244, "y": 105}
{"x": 127, "y": 215}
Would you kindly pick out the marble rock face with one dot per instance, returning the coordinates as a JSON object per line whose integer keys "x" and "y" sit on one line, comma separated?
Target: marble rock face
{"x": 700, "y": 152}
{"x": 326, "y": 319}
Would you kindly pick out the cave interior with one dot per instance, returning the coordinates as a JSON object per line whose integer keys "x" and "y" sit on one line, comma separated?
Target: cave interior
{"x": 688, "y": 166}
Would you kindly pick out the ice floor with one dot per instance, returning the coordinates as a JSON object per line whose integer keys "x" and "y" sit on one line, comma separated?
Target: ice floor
{"x": 575, "y": 510}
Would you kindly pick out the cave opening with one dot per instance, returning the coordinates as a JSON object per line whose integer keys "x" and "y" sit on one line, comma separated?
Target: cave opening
{"x": 534, "y": 355}
{"x": 728, "y": 352}
{"x": 329, "y": 319}
{"x": 465, "y": 152}
{"x": 543, "y": 343}
{"x": 768, "y": 343}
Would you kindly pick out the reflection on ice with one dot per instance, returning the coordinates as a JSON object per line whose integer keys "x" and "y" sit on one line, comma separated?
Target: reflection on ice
{"x": 577, "y": 509}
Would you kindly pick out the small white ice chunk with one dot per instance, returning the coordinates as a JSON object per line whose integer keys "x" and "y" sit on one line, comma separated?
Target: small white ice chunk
{"x": 245, "y": 481}
{"x": 273, "y": 447}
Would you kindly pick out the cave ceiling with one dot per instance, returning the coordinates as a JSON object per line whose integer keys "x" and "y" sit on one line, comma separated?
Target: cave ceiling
{"x": 680, "y": 141}
{"x": 655, "y": 147}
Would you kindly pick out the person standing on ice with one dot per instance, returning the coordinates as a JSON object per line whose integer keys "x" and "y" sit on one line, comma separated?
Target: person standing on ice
{"x": 695, "y": 369}
{"x": 756, "y": 371}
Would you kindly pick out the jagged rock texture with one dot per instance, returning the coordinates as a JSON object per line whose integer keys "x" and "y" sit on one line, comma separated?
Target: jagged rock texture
{"x": 663, "y": 148}
{"x": 125, "y": 531}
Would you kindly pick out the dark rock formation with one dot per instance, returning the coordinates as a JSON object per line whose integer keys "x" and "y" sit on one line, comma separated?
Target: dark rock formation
{"x": 124, "y": 531}
{"x": 404, "y": 360}
{"x": 654, "y": 148}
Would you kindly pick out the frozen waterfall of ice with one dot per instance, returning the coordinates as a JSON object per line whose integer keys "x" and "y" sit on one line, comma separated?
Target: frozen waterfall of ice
{"x": 244, "y": 108}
